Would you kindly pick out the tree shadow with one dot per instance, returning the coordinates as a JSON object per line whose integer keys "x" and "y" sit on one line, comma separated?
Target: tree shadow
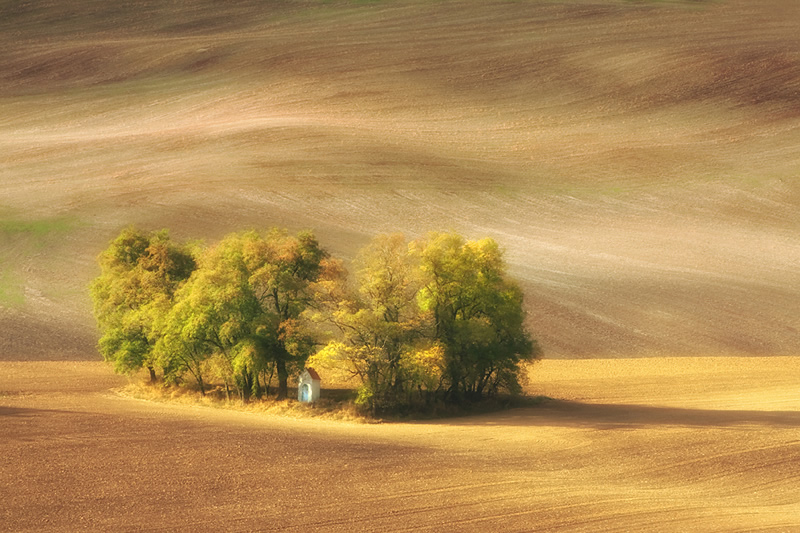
{"x": 30, "y": 412}
{"x": 603, "y": 416}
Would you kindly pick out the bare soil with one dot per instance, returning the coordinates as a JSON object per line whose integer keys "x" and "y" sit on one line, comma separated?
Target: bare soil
{"x": 661, "y": 444}
{"x": 637, "y": 160}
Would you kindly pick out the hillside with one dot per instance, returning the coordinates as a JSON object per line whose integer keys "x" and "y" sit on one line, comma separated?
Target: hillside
{"x": 639, "y": 161}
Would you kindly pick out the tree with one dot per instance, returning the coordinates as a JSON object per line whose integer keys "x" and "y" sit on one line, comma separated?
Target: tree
{"x": 476, "y": 312}
{"x": 381, "y": 326}
{"x": 140, "y": 273}
{"x": 284, "y": 269}
{"x": 243, "y": 306}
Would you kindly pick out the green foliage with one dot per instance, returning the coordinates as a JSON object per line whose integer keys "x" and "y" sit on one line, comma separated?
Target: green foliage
{"x": 140, "y": 273}
{"x": 436, "y": 317}
{"x": 428, "y": 321}
{"x": 477, "y": 314}
{"x": 243, "y": 307}
{"x": 380, "y": 323}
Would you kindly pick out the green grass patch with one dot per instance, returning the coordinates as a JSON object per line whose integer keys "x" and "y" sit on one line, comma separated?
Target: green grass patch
{"x": 36, "y": 228}
{"x": 12, "y": 289}
{"x": 20, "y": 239}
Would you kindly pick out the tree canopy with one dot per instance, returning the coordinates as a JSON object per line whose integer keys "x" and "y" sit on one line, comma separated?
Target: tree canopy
{"x": 477, "y": 314}
{"x": 437, "y": 317}
{"x": 381, "y": 326}
{"x": 432, "y": 320}
{"x": 140, "y": 273}
{"x": 243, "y": 307}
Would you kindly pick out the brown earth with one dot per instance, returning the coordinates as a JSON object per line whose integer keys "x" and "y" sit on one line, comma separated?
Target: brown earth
{"x": 661, "y": 444}
{"x": 637, "y": 160}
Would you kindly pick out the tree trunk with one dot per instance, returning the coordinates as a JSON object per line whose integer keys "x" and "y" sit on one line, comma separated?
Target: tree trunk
{"x": 247, "y": 385}
{"x": 153, "y": 377}
{"x": 283, "y": 380}
{"x": 268, "y": 381}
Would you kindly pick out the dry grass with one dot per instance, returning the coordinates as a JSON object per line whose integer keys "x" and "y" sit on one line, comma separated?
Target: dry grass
{"x": 336, "y": 404}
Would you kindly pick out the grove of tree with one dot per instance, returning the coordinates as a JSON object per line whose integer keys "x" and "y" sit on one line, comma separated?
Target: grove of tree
{"x": 435, "y": 320}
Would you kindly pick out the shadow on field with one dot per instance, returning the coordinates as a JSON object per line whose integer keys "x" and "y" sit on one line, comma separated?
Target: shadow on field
{"x": 630, "y": 416}
{"x": 25, "y": 412}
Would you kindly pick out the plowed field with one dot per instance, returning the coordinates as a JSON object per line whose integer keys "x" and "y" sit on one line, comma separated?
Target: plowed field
{"x": 637, "y": 160}
{"x": 690, "y": 444}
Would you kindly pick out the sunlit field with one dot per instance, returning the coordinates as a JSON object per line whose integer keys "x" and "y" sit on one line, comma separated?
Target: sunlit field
{"x": 700, "y": 444}
{"x": 637, "y": 161}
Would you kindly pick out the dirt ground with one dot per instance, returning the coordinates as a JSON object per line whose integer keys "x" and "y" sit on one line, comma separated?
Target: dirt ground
{"x": 637, "y": 160}
{"x": 683, "y": 444}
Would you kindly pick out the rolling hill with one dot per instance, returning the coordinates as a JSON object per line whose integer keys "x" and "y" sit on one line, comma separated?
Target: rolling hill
{"x": 639, "y": 161}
